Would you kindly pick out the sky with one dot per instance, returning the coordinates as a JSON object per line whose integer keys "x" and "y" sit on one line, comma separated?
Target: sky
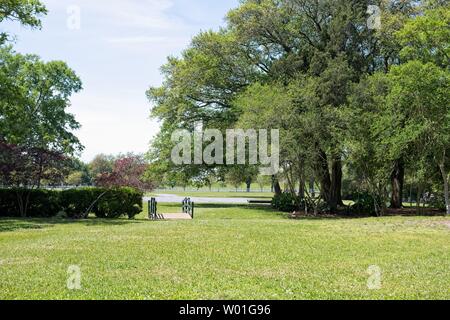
{"x": 117, "y": 47}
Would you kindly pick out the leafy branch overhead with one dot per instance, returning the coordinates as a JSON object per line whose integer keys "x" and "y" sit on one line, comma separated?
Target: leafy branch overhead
{"x": 26, "y": 12}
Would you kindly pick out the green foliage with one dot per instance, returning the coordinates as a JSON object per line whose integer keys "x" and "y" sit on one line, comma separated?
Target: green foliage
{"x": 81, "y": 173}
{"x": 437, "y": 201}
{"x": 104, "y": 203}
{"x": 286, "y": 202}
{"x": 41, "y": 203}
{"x": 74, "y": 179}
{"x": 347, "y": 99}
{"x": 118, "y": 202}
{"x": 426, "y": 37}
{"x": 416, "y": 118}
{"x": 364, "y": 203}
{"x": 101, "y": 164}
{"x": 76, "y": 202}
{"x": 286, "y": 65}
{"x": 34, "y": 102}
{"x": 26, "y": 12}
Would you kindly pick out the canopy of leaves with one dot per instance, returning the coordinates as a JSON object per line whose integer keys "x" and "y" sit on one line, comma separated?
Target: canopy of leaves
{"x": 26, "y": 12}
{"x": 126, "y": 172}
{"x": 33, "y": 102}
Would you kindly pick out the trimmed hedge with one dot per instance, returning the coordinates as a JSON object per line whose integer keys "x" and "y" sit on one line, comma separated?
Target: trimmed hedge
{"x": 117, "y": 202}
{"x": 75, "y": 202}
{"x": 104, "y": 203}
{"x": 41, "y": 203}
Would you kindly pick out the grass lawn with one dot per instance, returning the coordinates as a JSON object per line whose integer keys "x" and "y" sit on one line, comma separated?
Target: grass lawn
{"x": 204, "y": 194}
{"x": 231, "y": 252}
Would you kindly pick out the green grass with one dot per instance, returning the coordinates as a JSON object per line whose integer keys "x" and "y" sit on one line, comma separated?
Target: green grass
{"x": 204, "y": 194}
{"x": 231, "y": 252}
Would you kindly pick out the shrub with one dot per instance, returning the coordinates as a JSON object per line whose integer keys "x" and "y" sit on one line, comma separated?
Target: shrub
{"x": 364, "y": 203}
{"x": 75, "y": 202}
{"x": 105, "y": 203}
{"x": 9, "y": 206}
{"x": 436, "y": 201}
{"x": 286, "y": 202}
{"x": 41, "y": 203}
{"x": 44, "y": 204}
{"x": 117, "y": 202}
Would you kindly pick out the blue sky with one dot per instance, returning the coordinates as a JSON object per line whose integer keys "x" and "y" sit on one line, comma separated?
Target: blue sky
{"x": 117, "y": 52}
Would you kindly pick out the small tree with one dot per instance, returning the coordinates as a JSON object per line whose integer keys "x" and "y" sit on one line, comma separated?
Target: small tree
{"x": 100, "y": 165}
{"x": 127, "y": 172}
{"x": 24, "y": 168}
{"x": 416, "y": 117}
{"x": 263, "y": 181}
{"x": 75, "y": 179}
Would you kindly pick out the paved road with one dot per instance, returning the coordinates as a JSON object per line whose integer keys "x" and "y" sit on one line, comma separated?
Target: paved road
{"x": 171, "y": 198}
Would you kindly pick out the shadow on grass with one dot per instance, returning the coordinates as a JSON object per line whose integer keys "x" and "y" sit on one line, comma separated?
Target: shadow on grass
{"x": 177, "y": 207}
{"x": 9, "y": 225}
{"x": 342, "y": 215}
{"x": 14, "y": 224}
{"x": 346, "y": 215}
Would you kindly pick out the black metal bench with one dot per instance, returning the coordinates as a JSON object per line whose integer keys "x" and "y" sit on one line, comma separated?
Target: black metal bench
{"x": 153, "y": 209}
{"x": 187, "y": 207}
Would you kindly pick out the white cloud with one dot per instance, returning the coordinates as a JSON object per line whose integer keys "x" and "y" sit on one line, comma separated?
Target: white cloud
{"x": 134, "y": 40}
{"x": 132, "y": 13}
{"x": 112, "y": 125}
{"x": 145, "y": 40}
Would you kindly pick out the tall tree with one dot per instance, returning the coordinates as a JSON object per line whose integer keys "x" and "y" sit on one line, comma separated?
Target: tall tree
{"x": 198, "y": 90}
{"x": 311, "y": 51}
{"x": 416, "y": 117}
{"x": 326, "y": 40}
{"x": 127, "y": 171}
{"x": 101, "y": 164}
{"x": 34, "y": 112}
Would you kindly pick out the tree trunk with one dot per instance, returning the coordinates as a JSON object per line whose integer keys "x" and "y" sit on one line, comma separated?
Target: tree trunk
{"x": 277, "y": 187}
{"x": 419, "y": 198}
{"x": 323, "y": 175}
{"x": 336, "y": 184}
{"x": 301, "y": 182}
{"x": 397, "y": 182}
{"x": 23, "y": 200}
{"x": 249, "y": 185}
{"x": 301, "y": 190}
{"x": 446, "y": 188}
{"x": 312, "y": 187}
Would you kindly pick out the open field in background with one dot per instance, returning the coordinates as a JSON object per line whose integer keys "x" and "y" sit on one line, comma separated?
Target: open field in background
{"x": 206, "y": 194}
{"x": 227, "y": 252}
{"x": 220, "y": 188}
